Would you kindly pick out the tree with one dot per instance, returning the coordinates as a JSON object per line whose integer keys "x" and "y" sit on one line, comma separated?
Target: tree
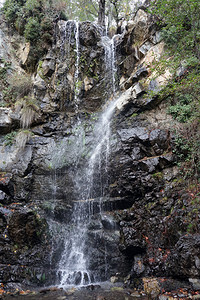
{"x": 101, "y": 13}
{"x": 181, "y": 22}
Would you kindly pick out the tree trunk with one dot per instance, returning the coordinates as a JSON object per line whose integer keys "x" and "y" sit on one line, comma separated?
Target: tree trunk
{"x": 101, "y": 13}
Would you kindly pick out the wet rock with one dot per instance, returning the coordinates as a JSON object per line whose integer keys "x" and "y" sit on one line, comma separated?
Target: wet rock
{"x": 149, "y": 165}
{"x": 25, "y": 228}
{"x": 129, "y": 135}
{"x": 3, "y": 222}
{"x": 89, "y": 34}
{"x": 4, "y": 198}
{"x": 6, "y": 186}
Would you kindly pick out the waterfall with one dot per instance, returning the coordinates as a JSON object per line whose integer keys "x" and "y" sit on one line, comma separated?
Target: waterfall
{"x": 74, "y": 266}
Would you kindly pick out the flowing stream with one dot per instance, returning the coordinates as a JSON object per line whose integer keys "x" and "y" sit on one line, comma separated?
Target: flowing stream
{"x": 74, "y": 266}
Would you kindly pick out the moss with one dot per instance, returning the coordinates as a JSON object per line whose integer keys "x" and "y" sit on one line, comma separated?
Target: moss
{"x": 158, "y": 175}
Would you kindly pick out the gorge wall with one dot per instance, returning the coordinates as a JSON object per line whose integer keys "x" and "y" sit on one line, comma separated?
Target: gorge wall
{"x": 144, "y": 228}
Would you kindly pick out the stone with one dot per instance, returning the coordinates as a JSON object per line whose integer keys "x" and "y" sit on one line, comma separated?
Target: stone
{"x": 138, "y": 266}
{"x": 24, "y": 228}
{"x": 23, "y": 53}
{"x": 145, "y": 48}
{"x": 195, "y": 283}
{"x": 149, "y": 165}
{"x": 5, "y": 120}
{"x": 136, "y": 76}
{"x": 186, "y": 249}
{"x": 39, "y": 86}
{"x": 88, "y": 83}
{"x": 114, "y": 279}
{"x": 156, "y": 37}
{"x": 197, "y": 262}
{"x": 125, "y": 98}
{"x": 139, "y": 90}
{"x": 151, "y": 286}
{"x": 141, "y": 16}
{"x": 128, "y": 135}
{"x": 48, "y": 67}
{"x": 89, "y": 34}
{"x": 154, "y": 53}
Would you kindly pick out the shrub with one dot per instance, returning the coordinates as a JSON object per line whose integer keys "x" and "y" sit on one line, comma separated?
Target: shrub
{"x": 11, "y": 8}
{"x": 182, "y": 109}
{"x": 32, "y": 29}
{"x": 10, "y": 138}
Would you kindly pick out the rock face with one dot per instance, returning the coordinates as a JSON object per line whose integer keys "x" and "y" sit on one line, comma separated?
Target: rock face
{"x": 144, "y": 228}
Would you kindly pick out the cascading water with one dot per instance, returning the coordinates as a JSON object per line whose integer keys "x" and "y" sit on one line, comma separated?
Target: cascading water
{"x": 74, "y": 266}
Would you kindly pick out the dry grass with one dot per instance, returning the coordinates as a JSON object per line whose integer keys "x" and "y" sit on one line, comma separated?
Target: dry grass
{"x": 21, "y": 85}
{"x": 22, "y": 138}
{"x": 29, "y": 111}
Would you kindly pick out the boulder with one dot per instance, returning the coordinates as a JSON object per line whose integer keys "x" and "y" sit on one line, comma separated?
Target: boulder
{"x": 89, "y": 34}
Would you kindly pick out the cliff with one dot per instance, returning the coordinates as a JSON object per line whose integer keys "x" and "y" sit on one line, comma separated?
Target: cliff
{"x": 144, "y": 220}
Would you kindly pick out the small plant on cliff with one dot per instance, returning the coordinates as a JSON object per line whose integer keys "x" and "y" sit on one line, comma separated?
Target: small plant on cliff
{"x": 9, "y": 138}
{"x": 20, "y": 85}
{"x": 29, "y": 111}
{"x": 22, "y": 138}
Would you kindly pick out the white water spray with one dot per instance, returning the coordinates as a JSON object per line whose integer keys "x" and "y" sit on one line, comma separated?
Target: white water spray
{"x": 74, "y": 264}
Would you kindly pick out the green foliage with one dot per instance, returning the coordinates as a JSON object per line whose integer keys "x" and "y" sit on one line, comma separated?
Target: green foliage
{"x": 158, "y": 175}
{"x": 180, "y": 28}
{"x": 11, "y": 9}
{"x": 9, "y": 138}
{"x": 32, "y": 29}
{"x": 180, "y": 19}
{"x": 34, "y": 19}
{"x": 187, "y": 150}
{"x": 182, "y": 109}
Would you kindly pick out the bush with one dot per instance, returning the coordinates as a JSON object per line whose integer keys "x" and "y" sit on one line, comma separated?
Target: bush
{"x": 32, "y": 30}
{"x": 11, "y": 9}
{"x": 182, "y": 110}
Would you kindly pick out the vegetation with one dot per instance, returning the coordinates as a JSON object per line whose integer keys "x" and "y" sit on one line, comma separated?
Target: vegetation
{"x": 22, "y": 137}
{"x": 34, "y": 19}
{"x": 181, "y": 25}
{"x": 9, "y": 138}
{"x": 179, "y": 20}
{"x": 20, "y": 85}
{"x": 29, "y": 110}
